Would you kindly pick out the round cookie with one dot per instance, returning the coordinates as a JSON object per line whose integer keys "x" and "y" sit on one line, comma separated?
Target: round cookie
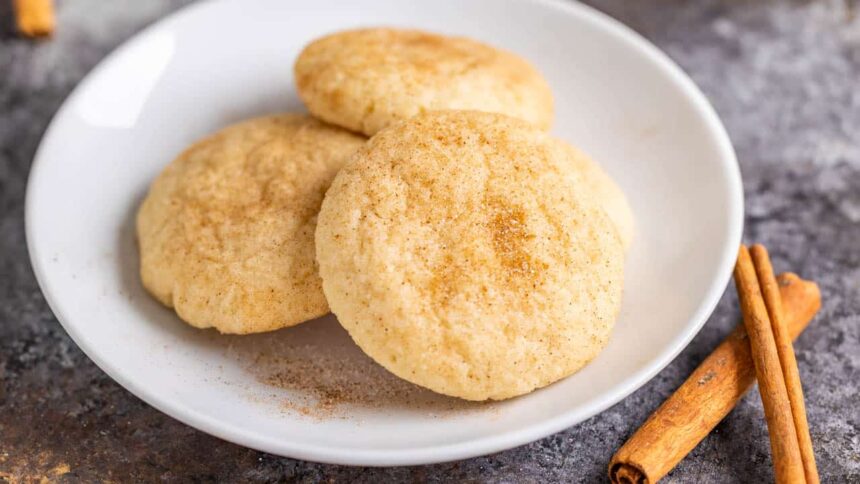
{"x": 366, "y": 79}
{"x": 461, "y": 253}
{"x": 226, "y": 231}
{"x": 606, "y": 191}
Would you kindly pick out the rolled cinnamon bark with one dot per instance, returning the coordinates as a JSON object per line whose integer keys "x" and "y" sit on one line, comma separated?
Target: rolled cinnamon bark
{"x": 35, "y": 18}
{"x": 770, "y": 292}
{"x": 708, "y": 395}
{"x": 784, "y": 451}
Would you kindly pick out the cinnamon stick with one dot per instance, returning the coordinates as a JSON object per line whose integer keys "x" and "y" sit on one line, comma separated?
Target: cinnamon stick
{"x": 708, "y": 395}
{"x": 35, "y": 18}
{"x": 787, "y": 360}
{"x": 785, "y": 453}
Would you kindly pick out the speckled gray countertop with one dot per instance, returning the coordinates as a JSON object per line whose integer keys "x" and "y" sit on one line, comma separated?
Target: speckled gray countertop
{"x": 784, "y": 77}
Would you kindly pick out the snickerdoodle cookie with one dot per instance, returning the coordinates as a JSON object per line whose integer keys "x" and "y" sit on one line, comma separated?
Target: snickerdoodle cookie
{"x": 366, "y": 79}
{"x": 226, "y": 232}
{"x": 462, "y": 253}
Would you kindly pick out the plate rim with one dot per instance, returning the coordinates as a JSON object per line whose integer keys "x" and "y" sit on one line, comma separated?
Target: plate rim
{"x": 438, "y": 453}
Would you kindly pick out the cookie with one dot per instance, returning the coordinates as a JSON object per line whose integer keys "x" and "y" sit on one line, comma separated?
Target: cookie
{"x": 226, "y": 231}
{"x": 606, "y": 191}
{"x": 366, "y": 79}
{"x": 461, "y": 252}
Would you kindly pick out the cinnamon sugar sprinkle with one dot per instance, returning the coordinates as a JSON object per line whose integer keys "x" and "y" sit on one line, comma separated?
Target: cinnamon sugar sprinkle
{"x": 323, "y": 374}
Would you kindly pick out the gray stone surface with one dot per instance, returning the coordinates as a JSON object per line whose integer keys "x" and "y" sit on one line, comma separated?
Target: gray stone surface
{"x": 785, "y": 78}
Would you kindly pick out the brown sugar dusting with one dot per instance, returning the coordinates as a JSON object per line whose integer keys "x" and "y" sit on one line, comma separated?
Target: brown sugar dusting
{"x": 325, "y": 375}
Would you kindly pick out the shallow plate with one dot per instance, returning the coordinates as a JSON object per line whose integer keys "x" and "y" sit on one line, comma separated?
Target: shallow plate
{"x": 308, "y": 392}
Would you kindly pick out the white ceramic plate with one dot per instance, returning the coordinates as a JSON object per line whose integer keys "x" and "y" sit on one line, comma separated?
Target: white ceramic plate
{"x": 218, "y": 62}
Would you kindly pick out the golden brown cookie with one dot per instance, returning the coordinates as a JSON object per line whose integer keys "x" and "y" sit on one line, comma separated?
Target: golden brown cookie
{"x": 366, "y": 79}
{"x": 462, "y": 253}
{"x": 606, "y": 191}
{"x": 226, "y": 231}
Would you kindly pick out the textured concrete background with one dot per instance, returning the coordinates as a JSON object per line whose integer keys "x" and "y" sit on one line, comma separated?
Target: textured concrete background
{"x": 785, "y": 78}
